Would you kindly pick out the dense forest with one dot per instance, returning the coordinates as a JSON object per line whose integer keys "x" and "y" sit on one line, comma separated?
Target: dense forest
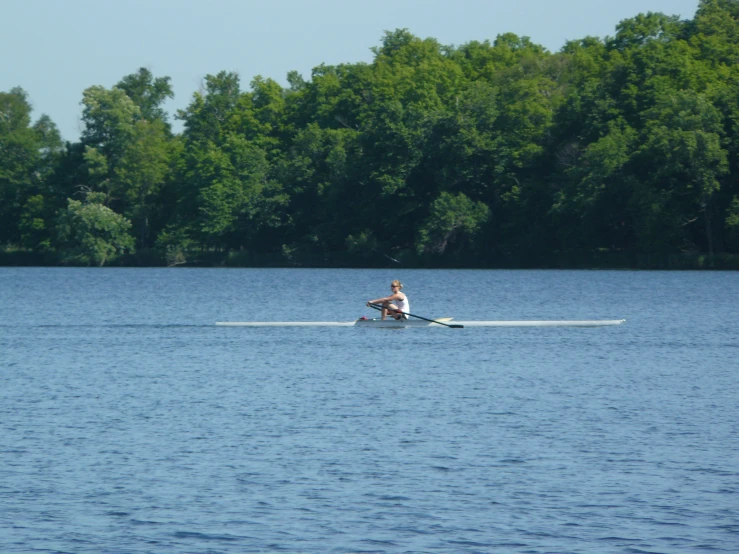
{"x": 614, "y": 152}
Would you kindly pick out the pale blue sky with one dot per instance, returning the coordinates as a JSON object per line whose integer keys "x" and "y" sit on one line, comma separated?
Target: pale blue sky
{"x": 54, "y": 49}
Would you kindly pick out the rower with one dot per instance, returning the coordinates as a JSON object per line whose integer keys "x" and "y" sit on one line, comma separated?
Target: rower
{"x": 397, "y": 304}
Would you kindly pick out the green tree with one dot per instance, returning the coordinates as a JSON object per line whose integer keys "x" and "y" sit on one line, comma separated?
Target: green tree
{"x": 109, "y": 116}
{"x": 513, "y": 118}
{"x": 27, "y": 156}
{"x": 227, "y": 195}
{"x": 714, "y": 33}
{"x": 413, "y": 81}
{"x": 212, "y": 112}
{"x": 141, "y": 173}
{"x": 148, "y": 93}
{"x": 590, "y": 206}
{"x": 90, "y": 233}
{"x": 453, "y": 223}
{"x": 683, "y": 160}
{"x": 320, "y": 181}
{"x": 33, "y": 224}
{"x": 127, "y": 146}
{"x": 626, "y": 143}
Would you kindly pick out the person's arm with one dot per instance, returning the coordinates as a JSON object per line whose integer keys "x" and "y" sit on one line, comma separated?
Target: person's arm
{"x": 390, "y": 298}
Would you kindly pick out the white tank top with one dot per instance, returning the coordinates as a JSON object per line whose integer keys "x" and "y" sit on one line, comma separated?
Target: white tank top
{"x": 404, "y": 305}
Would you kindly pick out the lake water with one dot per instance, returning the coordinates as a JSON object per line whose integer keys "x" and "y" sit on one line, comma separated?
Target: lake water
{"x": 130, "y": 423}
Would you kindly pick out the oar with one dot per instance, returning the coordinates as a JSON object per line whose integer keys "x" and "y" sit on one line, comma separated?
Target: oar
{"x": 453, "y": 326}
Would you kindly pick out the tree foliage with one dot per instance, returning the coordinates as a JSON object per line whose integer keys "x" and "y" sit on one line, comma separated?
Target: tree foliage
{"x": 89, "y": 233}
{"x": 485, "y": 152}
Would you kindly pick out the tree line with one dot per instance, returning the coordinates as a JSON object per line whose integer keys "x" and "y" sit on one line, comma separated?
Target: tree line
{"x": 485, "y": 154}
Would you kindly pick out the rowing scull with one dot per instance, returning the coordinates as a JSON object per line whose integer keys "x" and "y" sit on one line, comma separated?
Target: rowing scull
{"x": 392, "y": 323}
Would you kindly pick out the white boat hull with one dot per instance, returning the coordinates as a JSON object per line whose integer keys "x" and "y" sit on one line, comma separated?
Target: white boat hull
{"x": 393, "y": 323}
{"x": 544, "y": 323}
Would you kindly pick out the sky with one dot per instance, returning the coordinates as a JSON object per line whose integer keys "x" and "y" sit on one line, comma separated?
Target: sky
{"x": 55, "y": 49}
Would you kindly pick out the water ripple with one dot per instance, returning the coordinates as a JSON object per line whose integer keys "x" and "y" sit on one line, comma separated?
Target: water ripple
{"x": 126, "y": 437}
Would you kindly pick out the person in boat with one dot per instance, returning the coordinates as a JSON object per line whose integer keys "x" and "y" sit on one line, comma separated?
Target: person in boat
{"x": 397, "y": 304}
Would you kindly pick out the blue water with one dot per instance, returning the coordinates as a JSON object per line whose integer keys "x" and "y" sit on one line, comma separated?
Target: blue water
{"x": 129, "y": 423}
